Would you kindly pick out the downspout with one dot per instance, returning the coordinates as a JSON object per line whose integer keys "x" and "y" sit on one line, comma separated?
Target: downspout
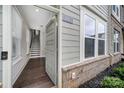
{"x": 111, "y": 59}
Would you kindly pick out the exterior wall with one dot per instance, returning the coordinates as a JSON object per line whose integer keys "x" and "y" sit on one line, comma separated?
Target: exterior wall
{"x": 0, "y": 42}
{"x": 75, "y": 72}
{"x": 122, "y": 22}
{"x": 84, "y": 71}
{"x": 71, "y": 35}
{"x": 71, "y": 31}
{"x": 115, "y": 24}
{"x": 100, "y": 10}
{"x": 116, "y": 58}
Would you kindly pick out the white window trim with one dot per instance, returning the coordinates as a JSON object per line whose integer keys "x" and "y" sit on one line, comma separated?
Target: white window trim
{"x": 116, "y": 42}
{"x": 114, "y": 13}
{"x": 84, "y": 11}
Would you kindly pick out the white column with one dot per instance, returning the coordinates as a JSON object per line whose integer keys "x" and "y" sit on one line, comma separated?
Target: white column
{"x": 7, "y": 45}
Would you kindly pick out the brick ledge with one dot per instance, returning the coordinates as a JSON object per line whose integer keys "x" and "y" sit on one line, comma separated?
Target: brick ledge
{"x": 86, "y": 62}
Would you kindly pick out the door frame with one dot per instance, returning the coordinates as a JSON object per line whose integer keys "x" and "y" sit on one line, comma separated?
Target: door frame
{"x": 59, "y": 14}
{"x": 7, "y": 43}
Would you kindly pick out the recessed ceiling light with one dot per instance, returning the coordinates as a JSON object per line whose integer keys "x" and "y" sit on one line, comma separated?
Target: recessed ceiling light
{"x": 37, "y": 10}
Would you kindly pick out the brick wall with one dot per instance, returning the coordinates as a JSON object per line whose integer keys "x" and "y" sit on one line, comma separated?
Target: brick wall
{"x": 85, "y": 71}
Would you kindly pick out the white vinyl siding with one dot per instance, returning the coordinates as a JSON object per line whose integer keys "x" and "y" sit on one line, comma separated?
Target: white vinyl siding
{"x": 100, "y": 10}
{"x": 71, "y": 35}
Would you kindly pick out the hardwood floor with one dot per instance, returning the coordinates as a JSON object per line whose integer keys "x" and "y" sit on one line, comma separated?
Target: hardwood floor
{"x": 34, "y": 75}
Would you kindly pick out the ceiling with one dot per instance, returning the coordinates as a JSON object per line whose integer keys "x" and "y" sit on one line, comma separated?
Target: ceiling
{"x": 35, "y": 17}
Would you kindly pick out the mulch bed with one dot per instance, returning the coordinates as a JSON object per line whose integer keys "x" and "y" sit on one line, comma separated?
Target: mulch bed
{"x": 95, "y": 82}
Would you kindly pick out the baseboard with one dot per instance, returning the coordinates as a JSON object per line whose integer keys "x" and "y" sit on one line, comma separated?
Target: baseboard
{"x": 18, "y": 74}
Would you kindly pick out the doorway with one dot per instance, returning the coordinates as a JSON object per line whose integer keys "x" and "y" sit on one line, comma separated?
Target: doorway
{"x": 40, "y": 71}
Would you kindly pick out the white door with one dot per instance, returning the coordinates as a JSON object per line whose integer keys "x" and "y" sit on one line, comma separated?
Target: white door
{"x": 51, "y": 49}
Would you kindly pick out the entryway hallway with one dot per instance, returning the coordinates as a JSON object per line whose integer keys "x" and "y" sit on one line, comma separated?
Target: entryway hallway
{"x": 34, "y": 75}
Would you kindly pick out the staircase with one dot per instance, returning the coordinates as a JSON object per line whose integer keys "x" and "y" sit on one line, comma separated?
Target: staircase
{"x": 35, "y": 47}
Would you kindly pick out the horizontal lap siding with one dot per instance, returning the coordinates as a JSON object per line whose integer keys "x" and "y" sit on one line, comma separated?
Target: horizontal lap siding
{"x": 71, "y": 35}
{"x": 0, "y": 42}
{"x": 101, "y": 10}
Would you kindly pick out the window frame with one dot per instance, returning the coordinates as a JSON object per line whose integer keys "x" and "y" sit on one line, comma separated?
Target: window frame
{"x": 116, "y": 50}
{"x": 98, "y": 19}
{"x": 93, "y": 38}
{"x": 115, "y": 12}
{"x": 103, "y": 39}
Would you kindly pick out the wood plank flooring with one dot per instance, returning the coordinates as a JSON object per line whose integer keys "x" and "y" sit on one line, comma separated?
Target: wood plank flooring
{"x": 34, "y": 75}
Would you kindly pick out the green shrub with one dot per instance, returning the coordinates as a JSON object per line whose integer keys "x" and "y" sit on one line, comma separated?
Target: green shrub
{"x": 112, "y": 82}
{"x": 121, "y": 65}
{"x": 119, "y": 72}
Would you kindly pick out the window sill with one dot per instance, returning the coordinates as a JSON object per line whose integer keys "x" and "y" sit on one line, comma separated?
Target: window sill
{"x": 16, "y": 60}
{"x": 116, "y": 53}
{"x": 85, "y": 62}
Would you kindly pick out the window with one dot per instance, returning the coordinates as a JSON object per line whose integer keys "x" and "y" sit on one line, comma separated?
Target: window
{"x": 101, "y": 39}
{"x": 89, "y": 36}
{"x": 116, "y": 41}
{"x": 93, "y": 36}
{"x": 113, "y": 7}
{"x": 116, "y": 11}
{"x": 16, "y": 33}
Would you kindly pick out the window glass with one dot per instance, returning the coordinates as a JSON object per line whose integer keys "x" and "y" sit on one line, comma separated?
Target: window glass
{"x": 118, "y": 47}
{"x": 101, "y": 47}
{"x": 116, "y": 41}
{"x": 114, "y": 47}
{"x": 89, "y": 26}
{"x": 116, "y": 11}
{"x": 89, "y": 47}
{"x": 101, "y": 31}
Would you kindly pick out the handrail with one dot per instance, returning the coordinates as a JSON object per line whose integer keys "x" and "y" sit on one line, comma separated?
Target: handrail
{"x": 31, "y": 40}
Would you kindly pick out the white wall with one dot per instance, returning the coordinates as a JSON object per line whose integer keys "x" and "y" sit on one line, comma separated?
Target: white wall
{"x": 19, "y": 64}
{"x": 0, "y": 42}
{"x": 42, "y": 42}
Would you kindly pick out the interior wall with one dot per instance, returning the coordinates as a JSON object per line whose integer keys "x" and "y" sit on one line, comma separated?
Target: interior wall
{"x": 19, "y": 64}
{"x": 42, "y": 41}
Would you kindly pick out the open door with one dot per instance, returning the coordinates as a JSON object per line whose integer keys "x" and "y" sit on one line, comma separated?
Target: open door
{"x": 51, "y": 49}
